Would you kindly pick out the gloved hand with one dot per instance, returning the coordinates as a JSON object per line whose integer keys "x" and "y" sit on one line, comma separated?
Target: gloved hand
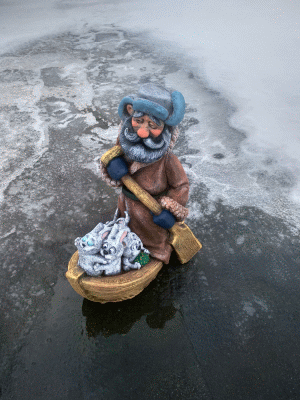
{"x": 117, "y": 168}
{"x": 165, "y": 219}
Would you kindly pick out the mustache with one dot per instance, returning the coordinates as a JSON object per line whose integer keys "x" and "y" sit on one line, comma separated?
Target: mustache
{"x": 146, "y": 150}
{"x": 132, "y": 136}
{"x": 153, "y": 144}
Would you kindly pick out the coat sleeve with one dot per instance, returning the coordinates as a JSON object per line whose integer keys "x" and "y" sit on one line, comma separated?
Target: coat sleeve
{"x": 178, "y": 192}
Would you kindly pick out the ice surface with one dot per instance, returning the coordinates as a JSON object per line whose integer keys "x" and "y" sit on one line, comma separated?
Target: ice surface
{"x": 247, "y": 53}
{"x": 235, "y": 62}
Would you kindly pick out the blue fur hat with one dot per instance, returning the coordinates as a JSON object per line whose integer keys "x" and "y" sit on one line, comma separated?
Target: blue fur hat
{"x": 156, "y": 101}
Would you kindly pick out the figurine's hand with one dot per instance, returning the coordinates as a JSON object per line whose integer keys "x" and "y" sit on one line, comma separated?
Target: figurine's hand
{"x": 117, "y": 168}
{"x": 165, "y": 219}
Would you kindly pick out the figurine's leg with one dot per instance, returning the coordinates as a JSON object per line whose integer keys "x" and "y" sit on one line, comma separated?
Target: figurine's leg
{"x": 99, "y": 259}
{"x": 136, "y": 265}
{"x": 98, "y": 267}
{"x": 127, "y": 264}
{"x": 113, "y": 271}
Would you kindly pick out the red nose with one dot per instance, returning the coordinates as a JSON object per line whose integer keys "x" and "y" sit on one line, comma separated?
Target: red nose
{"x": 143, "y": 133}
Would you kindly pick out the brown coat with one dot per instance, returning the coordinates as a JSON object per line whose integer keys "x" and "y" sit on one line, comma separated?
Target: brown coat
{"x": 166, "y": 174}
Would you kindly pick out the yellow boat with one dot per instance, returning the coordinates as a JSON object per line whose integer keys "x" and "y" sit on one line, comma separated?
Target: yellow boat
{"x": 103, "y": 289}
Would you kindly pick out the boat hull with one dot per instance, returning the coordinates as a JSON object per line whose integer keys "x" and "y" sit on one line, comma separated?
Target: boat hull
{"x": 103, "y": 289}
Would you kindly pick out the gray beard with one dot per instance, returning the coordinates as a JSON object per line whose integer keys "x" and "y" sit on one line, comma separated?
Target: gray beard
{"x": 143, "y": 150}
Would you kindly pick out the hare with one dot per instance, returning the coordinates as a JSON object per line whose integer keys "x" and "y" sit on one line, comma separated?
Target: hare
{"x": 113, "y": 247}
{"x": 122, "y": 246}
{"x": 132, "y": 249}
{"x": 89, "y": 248}
{"x": 108, "y": 247}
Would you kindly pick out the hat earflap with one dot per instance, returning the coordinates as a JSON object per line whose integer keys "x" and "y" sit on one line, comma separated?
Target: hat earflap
{"x": 122, "y": 110}
{"x": 178, "y": 109}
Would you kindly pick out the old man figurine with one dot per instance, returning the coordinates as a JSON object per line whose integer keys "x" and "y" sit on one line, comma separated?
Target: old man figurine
{"x": 147, "y": 135}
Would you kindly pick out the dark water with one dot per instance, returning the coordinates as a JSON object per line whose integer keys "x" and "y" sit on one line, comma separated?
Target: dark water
{"x": 223, "y": 326}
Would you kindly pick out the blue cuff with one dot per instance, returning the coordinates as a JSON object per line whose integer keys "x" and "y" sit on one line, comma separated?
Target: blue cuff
{"x": 117, "y": 168}
{"x": 165, "y": 219}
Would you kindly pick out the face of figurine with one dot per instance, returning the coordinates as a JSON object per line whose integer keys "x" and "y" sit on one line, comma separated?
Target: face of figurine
{"x": 144, "y": 126}
{"x": 144, "y": 138}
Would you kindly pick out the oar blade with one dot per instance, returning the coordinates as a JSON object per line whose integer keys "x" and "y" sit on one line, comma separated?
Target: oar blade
{"x": 184, "y": 242}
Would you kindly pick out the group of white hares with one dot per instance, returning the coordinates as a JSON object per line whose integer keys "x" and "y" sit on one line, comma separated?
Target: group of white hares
{"x": 110, "y": 247}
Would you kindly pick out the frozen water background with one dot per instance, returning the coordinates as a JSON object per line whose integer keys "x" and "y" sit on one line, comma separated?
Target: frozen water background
{"x": 64, "y": 67}
{"x": 247, "y": 53}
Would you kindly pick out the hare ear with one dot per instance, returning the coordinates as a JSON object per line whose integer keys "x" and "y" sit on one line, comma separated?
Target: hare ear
{"x": 127, "y": 218}
{"x": 116, "y": 214}
{"x": 123, "y": 236}
{"x": 98, "y": 228}
{"x": 105, "y": 234}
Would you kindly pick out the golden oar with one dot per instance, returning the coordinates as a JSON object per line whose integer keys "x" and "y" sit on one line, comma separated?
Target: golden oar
{"x": 182, "y": 238}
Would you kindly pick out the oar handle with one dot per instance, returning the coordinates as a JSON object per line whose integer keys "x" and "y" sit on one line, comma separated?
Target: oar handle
{"x": 130, "y": 183}
{"x": 114, "y": 152}
{"x": 142, "y": 195}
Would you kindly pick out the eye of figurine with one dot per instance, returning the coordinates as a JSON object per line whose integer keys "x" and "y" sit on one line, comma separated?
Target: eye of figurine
{"x": 84, "y": 239}
{"x": 90, "y": 243}
{"x": 153, "y": 125}
{"x": 112, "y": 250}
{"x": 104, "y": 246}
